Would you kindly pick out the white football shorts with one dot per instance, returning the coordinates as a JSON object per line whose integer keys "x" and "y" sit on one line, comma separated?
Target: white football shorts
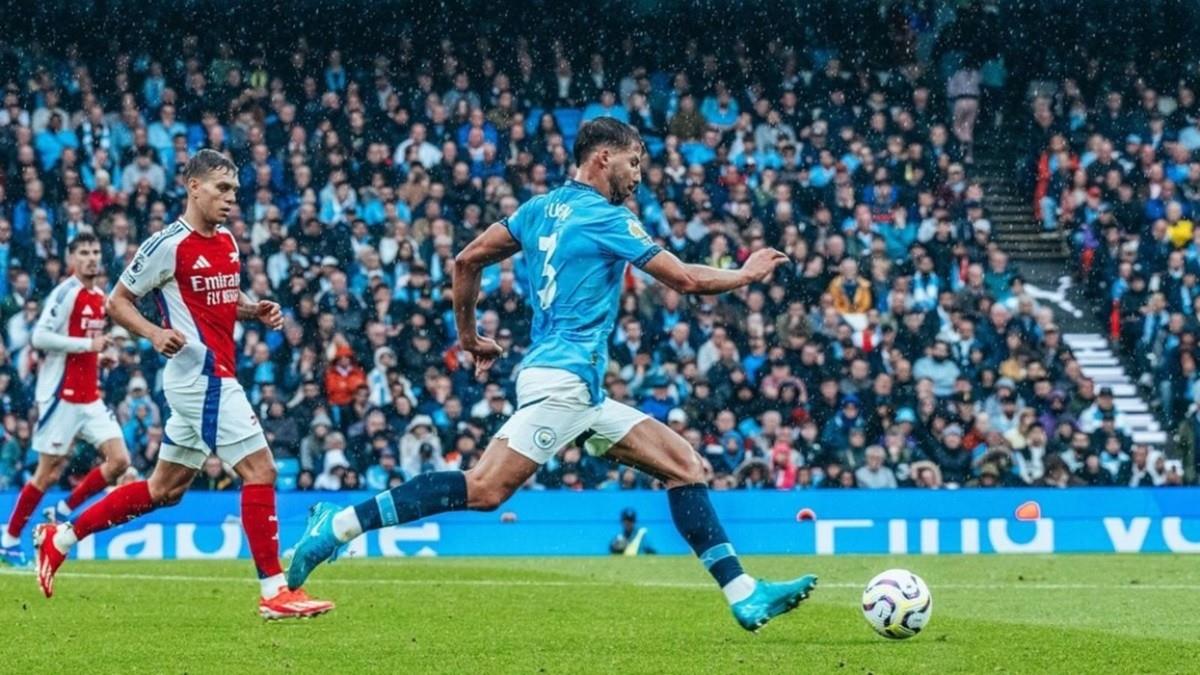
{"x": 60, "y": 422}
{"x": 211, "y": 415}
{"x": 554, "y": 408}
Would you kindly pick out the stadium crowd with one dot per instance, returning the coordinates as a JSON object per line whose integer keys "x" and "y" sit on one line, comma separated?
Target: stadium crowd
{"x": 897, "y": 349}
{"x": 1110, "y": 155}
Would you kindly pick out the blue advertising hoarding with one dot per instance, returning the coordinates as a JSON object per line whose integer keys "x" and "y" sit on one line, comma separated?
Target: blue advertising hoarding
{"x": 822, "y": 522}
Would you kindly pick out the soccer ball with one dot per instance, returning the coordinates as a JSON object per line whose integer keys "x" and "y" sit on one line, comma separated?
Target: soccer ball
{"x": 897, "y": 604}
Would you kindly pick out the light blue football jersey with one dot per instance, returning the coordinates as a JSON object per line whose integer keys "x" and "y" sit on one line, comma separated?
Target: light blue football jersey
{"x": 575, "y": 246}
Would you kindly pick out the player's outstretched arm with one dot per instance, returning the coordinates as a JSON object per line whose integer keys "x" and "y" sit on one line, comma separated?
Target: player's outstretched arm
{"x": 494, "y": 245}
{"x": 121, "y": 306}
{"x": 48, "y": 341}
{"x": 705, "y": 280}
{"x": 49, "y": 333}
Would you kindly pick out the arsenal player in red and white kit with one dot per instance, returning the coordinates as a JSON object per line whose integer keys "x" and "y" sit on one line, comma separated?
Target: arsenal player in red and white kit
{"x": 194, "y": 271}
{"x": 70, "y": 335}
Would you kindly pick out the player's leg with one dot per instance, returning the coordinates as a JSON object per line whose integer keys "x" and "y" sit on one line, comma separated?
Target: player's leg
{"x": 484, "y": 487}
{"x": 178, "y": 462}
{"x": 257, "y": 471}
{"x": 171, "y": 478}
{"x": 53, "y": 439}
{"x": 259, "y": 522}
{"x": 179, "y": 459}
{"x": 660, "y": 452}
{"x": 103, "y": 432}
{"x": 654, "y": 448}
{"x": 49, "y": 470}
{"x": 500, "y": 472}
{"x": 553, "y": 408}
{"x": 226, "y": 426}
{"x": 252, "y": 461}
{"x": 165, "y": 487}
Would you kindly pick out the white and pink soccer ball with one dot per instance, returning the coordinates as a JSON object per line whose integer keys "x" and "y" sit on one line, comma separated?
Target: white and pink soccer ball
{"x": 897, "y": 604}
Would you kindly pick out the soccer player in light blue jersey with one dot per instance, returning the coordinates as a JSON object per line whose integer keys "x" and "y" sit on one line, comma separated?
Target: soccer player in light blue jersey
{"x": 576, "y": 241}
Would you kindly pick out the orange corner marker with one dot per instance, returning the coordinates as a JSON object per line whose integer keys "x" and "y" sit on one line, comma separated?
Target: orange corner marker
{"x": 1029, "y": 511}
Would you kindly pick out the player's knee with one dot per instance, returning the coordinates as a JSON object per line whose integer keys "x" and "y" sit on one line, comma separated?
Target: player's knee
{"x": 168, "y": 495}
{"x": 257, "y": 468}
{"x": 45, "y": 480}
{"x": 263, "y": 475}
{"x": 484, "y": 495}
{"x": 117, "y": 464}
{"x": 175, "y": 495}
{"x": 687, "y": 471}
{"x": 47, "y": 473}
{"x": 488, "y": 499}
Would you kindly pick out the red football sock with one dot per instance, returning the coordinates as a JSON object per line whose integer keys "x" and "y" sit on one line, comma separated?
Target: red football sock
{"x": 90, "y": 485}
{"x": 27, "y": 501}
{"x": 262, "y": 528}
{"x": 121, "y": 505}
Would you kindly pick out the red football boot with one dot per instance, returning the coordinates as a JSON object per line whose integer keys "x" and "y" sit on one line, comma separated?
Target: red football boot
{"x": 292, "y": 605}
{"x": 48, "y": 558}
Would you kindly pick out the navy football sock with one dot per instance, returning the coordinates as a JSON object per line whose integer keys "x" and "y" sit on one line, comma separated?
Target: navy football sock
{"x": 697, "y": 521}
{"x": 425, "y": 495}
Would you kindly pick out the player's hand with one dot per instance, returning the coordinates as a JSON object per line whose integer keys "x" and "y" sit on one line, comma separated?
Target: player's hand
{"x": 99, "y": 343}
{"x": 762, "y": 263}
{"x": 270, "y": 314}
{"x": 485, "y": 350}
{"x": 168, "y": 342}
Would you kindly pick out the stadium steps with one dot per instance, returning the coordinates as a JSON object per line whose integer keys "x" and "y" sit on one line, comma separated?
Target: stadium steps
{"x": 1044, "y": 260}
{"x": 1097, "y": 361}
{"x": 1011, "y": 211}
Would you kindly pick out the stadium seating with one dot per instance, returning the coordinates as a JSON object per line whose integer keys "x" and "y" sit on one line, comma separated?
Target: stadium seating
{"x": 568, "y": 122}
{"x": 532, "y": 119}
{"x": 796, "y": 383}
{"x": 288, "y": 470}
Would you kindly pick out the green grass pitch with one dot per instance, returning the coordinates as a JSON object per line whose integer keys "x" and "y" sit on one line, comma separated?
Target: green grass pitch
{"x": 1060, "y": 614}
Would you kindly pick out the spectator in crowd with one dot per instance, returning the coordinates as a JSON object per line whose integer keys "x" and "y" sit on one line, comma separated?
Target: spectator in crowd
{"x": 138, "y": 403}
{"x": 874, "y": 474}
{"x": 334, "y": 463}
{"x": 420, "y": 448}
{"x": 213, "y": 476}
{"x": 850, "y": 292}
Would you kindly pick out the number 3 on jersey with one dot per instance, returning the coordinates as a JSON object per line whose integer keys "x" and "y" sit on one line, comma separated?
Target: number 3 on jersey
{"x": 549, "y": 285}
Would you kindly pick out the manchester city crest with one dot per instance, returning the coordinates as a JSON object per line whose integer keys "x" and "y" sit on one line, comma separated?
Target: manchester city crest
{"x": 544, "y": 438}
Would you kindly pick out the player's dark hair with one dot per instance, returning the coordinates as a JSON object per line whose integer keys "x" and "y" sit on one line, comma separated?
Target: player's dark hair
{"x": 82, "y": 239}
{"x": 207, "y": 161}
{"x": 604, "y": 131}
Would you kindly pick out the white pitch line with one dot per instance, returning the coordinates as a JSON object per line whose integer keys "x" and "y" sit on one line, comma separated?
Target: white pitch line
{"x": 1035, "y": 586}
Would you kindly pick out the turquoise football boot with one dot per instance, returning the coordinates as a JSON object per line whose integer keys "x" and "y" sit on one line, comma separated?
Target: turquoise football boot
{"x": 14, "y": 556}
{"x": 318, "y": 544}
{"x": 770, "y": 599}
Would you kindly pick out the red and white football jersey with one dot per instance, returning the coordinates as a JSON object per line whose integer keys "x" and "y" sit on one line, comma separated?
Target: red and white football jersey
{"x": 73, "y": 374}
{"x": 197, "y": 283}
